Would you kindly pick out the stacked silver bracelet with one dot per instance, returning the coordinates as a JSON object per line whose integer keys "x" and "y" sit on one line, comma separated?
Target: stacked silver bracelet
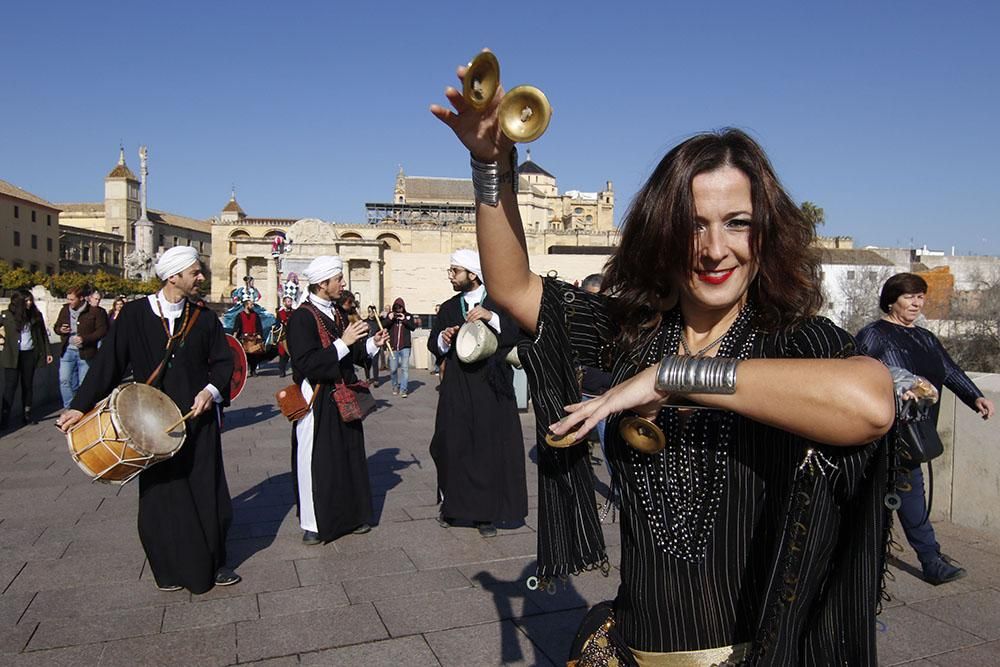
{"x": 696, "y": 375}
{"x": 487, "y": 179}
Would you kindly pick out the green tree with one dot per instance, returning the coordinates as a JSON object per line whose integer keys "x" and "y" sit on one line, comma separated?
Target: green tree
{"x": 813, "y": 213}
{"x": 19, "y": 278}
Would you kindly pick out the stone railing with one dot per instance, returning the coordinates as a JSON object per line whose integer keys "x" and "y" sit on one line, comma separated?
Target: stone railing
{"x": 967, "y": 475}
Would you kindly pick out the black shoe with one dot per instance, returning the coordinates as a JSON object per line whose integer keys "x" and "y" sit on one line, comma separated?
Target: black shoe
{"x": 362, "y": 529}
{"x": 28, "y": 419}
{"x": 487, "y": 529}
{"x": 443, "y": 522}
{"x": 226, "y": 577}
{"x": 168, "y": 589}
{"x": 940, "y": 570}
{"x": 310, "y": 538}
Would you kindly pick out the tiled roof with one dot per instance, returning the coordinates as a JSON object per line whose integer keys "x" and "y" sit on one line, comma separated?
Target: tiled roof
{"x": 164, "y": 218}
{"x": 232, "y": 206}
{"x": 12, "y": 190}
{"x": 452, "y": 190}
{"x": 81, "y": 207}
{"x": 530, "y": 167}
{"x": 852, "y": 256}
{"x": 122, "y": 171}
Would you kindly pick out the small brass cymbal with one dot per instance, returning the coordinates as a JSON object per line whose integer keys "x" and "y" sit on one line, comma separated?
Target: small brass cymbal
{"x": 524, "y": 114}
{"x": 482, "y": 80}
{"x": 560, "y": 442}
{"x": 642, "y": 434}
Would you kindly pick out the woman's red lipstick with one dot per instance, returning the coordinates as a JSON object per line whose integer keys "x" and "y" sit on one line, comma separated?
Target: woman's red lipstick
{"x": 713, "y": 278}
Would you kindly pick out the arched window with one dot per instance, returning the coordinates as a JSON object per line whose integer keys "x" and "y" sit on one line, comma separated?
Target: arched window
{"x": 234, "y": 237}
{"x": 392, "y": 242}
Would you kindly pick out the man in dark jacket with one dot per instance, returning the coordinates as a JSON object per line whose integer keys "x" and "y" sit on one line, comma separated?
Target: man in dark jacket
{"x": 81, "y": 327}
{"x": 399, "y": 324}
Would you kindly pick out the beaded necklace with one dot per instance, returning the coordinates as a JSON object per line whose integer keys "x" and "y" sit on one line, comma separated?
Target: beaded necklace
{"x": 680, "y": 488}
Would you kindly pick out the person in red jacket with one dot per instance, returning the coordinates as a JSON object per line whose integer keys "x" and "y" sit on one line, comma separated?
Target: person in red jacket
{"x": 287, "y": 306}
{"x": 400, "y": 324}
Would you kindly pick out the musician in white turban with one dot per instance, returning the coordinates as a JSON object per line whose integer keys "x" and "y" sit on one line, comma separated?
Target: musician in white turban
{"x": 329, "y": 460}
{"x": 477, "y": 446}
{"x": 184, "y": 504}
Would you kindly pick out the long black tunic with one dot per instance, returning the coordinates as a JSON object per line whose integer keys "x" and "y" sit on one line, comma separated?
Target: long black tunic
{"x": 341, "y": 491}
{"x": 184, "y": 504}
{"x": 737, "y": 532}
{"x": 478, "y": 447}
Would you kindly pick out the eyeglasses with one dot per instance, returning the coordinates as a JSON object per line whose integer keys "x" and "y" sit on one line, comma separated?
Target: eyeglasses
{"x": 454, "y": 272}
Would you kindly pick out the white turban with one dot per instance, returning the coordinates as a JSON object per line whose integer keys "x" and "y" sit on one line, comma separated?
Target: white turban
{"x": 468, "y": 260}
{"x": 175, "y": 260}
{"x": 323, "y": 268}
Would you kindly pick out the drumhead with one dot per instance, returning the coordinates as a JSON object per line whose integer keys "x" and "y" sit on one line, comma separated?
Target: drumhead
{"x": 143, "y": 413}
{"x": 474, "y": 342}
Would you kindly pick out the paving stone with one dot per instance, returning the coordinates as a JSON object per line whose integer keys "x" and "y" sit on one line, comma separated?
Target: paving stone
{"x": 409, "y": 651}
{"x": 910, "y": 634}
{"x": 391, "y": 586}
{"x": 298, "y": 600}
{"x": 286, "y": 661}
{"x": 207, "y": 613}
{"x": 428, "y": 612}
{"x": 333, "y": 566}
{"x": 81, "y": 601}
{"x": 977, "y": 613}
{"x": 257, "y": 578}
{"x": 500, "y": 643}
{"x": 14, "y": 638}
{"x": 983, "y": 654}
{"x": 97, "y": 628}
{"x": 450, "y": 553}
{"x": 202, "y": 647}
{"x": 9, "y": 571}
{"x": 58, "y": 574}
{"x": 285, "y": 635}
{"x": 553, "y": 633}
{"x": 73, "y": 656}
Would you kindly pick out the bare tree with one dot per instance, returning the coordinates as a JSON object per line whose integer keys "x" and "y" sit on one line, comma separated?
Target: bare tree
{"x": 973, "y": 337}
{"x": 861, "y": 288}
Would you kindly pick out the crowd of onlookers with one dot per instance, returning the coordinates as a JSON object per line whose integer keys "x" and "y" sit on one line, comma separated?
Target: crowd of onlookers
{"x": 25, "y": 347}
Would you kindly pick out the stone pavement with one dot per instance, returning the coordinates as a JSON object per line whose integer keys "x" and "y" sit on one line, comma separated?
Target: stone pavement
{"x": 75, "y": 588}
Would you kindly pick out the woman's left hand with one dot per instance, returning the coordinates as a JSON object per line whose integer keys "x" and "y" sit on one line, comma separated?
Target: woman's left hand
{"x": 984, "y": 407}
{"x": 637, "y": 394}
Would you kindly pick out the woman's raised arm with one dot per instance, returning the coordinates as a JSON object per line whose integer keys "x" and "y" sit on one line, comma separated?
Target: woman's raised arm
{"x": 499, "y": 231}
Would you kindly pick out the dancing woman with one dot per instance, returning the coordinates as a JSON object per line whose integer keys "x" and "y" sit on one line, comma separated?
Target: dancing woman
{"x": 757, "y": 535}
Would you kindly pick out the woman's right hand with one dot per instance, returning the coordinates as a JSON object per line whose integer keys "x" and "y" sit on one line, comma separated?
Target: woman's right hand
{"x": 479, "y": 131}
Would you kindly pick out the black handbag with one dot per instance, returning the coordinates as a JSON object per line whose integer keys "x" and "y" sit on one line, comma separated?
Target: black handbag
{"x": 919, "y": 434}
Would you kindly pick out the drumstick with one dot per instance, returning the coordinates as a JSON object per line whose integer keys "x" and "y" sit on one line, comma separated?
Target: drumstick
{"x": 378, "y": 320}
{"x": 180, "y": 421}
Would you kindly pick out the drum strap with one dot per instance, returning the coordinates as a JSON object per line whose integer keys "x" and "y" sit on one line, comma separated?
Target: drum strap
{"x": 171, "y": 344}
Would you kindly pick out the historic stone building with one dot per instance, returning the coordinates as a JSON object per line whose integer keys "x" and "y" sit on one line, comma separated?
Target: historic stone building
{"x": 120, "y": 210}
{"x": 403, "y": 247}
{"x": 29, "y": 230}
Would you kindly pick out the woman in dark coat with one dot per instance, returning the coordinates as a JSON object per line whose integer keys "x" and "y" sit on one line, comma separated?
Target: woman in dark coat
{"x": 896, "y": 340}
{"x": 25, "y": 348}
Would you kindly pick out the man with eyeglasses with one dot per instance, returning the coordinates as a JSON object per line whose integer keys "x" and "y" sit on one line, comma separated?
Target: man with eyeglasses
{"x": 478, "y": 447}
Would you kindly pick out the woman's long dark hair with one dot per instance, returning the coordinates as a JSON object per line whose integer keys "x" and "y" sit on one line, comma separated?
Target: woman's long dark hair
{"x": 656, "y": 252}
{"x": 22, "y": 313}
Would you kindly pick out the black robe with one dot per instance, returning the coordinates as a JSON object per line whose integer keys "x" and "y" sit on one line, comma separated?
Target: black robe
{"x": 341, "y": 491}
{"x": 478, "y": 447}
{"x": 184, "y": 504}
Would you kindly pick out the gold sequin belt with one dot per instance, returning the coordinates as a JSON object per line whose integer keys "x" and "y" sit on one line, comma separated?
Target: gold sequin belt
{"x": 709, "y": 657}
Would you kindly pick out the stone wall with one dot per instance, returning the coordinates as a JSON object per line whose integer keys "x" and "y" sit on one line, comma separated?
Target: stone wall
{"x": 967, "y": 475}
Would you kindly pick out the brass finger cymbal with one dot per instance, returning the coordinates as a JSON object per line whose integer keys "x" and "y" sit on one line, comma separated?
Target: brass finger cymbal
{"x": 482, "y": 79}
{"x": 561, "y": 442}
{"x": 642, "y": 434}
{"x": 524, "y": 114}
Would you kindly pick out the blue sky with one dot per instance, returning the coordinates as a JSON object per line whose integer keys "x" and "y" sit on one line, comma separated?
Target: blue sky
{"x": 883, "y": 113}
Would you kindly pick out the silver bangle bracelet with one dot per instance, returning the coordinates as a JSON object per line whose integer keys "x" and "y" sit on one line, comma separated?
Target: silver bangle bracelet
{"x": 696, "y": 375}
{"x": 487, "y": 179}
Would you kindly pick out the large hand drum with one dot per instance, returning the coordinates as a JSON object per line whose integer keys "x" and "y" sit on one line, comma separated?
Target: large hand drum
{"x": 474, "y": 342}
{"x": 126, "y": 433}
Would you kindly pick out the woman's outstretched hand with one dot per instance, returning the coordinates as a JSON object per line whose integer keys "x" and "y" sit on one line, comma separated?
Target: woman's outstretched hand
{"x": 478, "y": 130}
{"x": 637, "y": 394}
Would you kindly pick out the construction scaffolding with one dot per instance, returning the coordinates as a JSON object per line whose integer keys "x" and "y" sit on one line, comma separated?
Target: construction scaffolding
{"x": 440, "y": 215}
